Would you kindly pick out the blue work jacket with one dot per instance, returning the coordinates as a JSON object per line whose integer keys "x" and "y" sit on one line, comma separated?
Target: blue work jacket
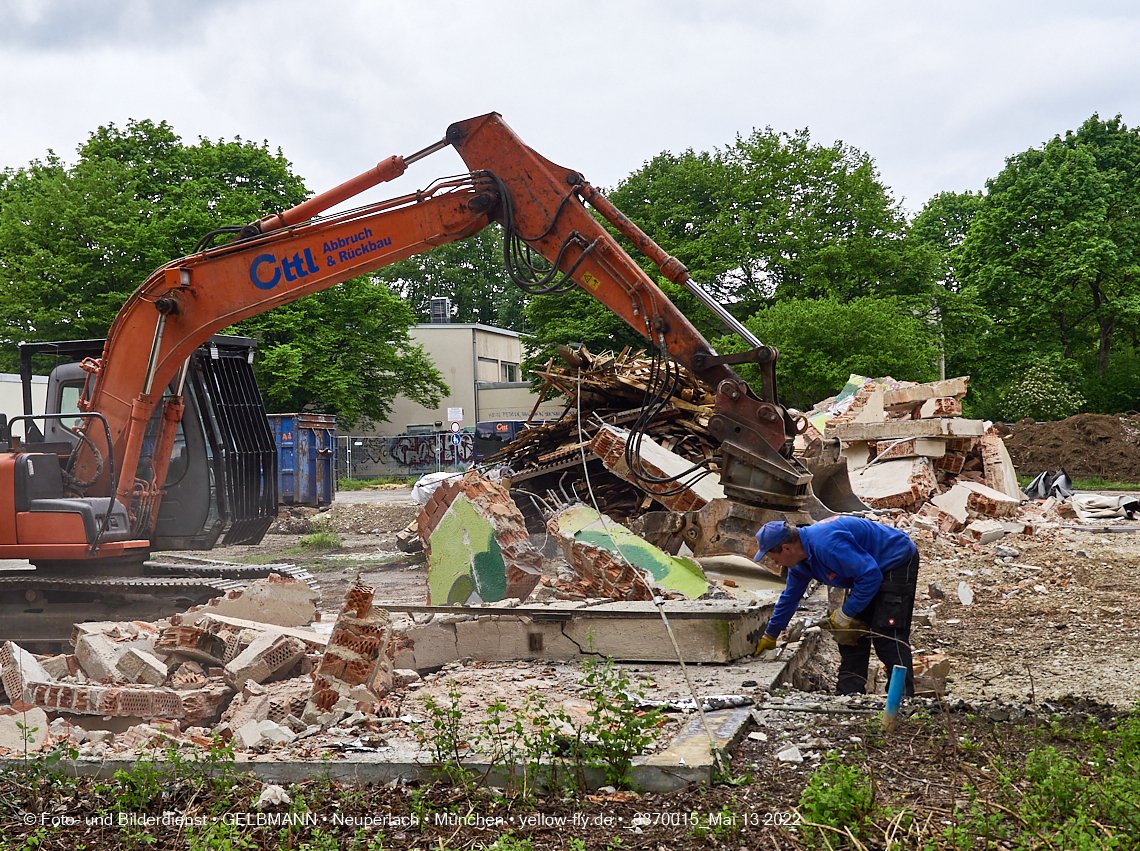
{"x": 847, "y": 552}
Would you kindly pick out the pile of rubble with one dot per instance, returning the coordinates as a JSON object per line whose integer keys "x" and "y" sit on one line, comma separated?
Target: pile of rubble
{"x": 613, "y": 390}
{"x": 909, "y": 451}
{"x": 207, "y": 672}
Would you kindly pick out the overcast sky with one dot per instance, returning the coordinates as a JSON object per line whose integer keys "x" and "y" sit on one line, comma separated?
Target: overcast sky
{"x": 937, "y": 94}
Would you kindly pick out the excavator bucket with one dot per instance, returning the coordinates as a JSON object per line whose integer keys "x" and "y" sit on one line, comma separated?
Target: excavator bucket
{"x": 832, "y": 487}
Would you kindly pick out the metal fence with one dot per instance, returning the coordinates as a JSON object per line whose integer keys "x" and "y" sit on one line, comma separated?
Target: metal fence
{"x": 404, "y": 455}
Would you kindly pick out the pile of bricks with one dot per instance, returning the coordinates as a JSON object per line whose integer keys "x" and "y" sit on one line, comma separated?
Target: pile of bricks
{"x": 600, "y": 574}
{"x": 356, "y": 670}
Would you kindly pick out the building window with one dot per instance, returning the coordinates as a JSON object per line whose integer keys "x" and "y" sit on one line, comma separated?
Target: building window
{"x": 488, "y": 370}
{"x": 510, "y": 371}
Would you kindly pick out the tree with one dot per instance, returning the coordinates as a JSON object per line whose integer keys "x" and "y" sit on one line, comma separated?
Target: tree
{"x": 345, "y": 351}
{"x": 470, "y": 272}
{"x": 75, "y": 242}
{"x": 1054, "y": 251}
{"x": 963, "y": 328}
{"x": 823, "y": 341}
{"x": 775, "y": 216}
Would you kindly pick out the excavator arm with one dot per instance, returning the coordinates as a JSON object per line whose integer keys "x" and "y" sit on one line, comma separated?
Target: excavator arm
{"x": 289, "y": 255}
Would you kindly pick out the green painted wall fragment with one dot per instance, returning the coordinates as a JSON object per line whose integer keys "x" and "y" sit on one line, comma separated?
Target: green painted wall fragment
{"x": 465, "y": 556}
{"x": 672, "y": 572}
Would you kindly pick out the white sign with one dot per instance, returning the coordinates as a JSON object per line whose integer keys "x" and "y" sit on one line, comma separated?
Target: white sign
{"x": 455, "y": 428}
{"x": 455, "y": 414}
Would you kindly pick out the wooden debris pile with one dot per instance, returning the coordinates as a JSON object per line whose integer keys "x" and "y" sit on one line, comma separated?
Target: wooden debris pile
{"x": 611, "y": 389}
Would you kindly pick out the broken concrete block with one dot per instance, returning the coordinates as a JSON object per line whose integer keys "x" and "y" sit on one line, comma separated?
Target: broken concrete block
{"x": 356, "y": 669}
{"x": 188, "y": 675}
{"x": 276, "y": 600}
{"x": 23, "y": 731}
{"x": 965, "y": 594}
{"x": 945, "y": 407}
{"x": 857, "y": 454}
{"x": 61, "y": 666}
{"x": 139, "y": 736}
{"x": 486, "y": 552}
{"x": 985, "y": 500}
{"x": 139, "y": 666}
{"x": 99, "y": 653}
{"x": 261, "y": 734}
{"x": 1000, "y": 473}
{"x": 223, "y": 625}
{"x": 18, "y": 668}
{"x": 468, "y": 564}
{"x": 908, "y": 398}
{"x": 896, "y": 429}
{"x": 985, "y": 531}
{"x": 267, "y": 654}
{"x": 910, "y": 448}
{"x": 192, "y": 642}
{"x": 872, "y": 409}
{"x": 606, "y": 556}
{"x": 701, "y": 487}
{"x": 205, "y": 704}
{"x": 895, "y": 484}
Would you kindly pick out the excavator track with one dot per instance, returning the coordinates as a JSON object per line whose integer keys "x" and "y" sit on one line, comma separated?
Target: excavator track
{"x": 38, "y": 611}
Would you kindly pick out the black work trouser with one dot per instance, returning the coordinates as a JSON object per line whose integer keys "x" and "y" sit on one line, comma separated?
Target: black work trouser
{"x": 888, "y": 615}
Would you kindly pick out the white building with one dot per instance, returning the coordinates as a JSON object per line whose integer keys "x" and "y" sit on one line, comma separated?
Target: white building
{"x": 480, "y": 364}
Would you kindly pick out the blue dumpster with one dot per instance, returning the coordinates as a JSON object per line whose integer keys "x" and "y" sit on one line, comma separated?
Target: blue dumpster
{"x": 306, "y": 458}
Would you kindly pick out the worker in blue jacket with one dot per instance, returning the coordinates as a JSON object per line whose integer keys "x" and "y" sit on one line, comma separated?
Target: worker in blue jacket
{"x": 877, "y": 564}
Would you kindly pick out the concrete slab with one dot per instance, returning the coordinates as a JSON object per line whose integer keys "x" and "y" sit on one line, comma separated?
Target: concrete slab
{"x": 277, "y": 600}
{"x": 895, "y": 429}
{"x": 707, "y": 631}
{"x": 609, "y": 444}
{"x": 908, "y": 398}
{"x": 895, "y": 484}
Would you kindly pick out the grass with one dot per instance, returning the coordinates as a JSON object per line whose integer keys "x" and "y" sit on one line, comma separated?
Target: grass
{"x": 345, "y": 484}
{"x": 323, "y": 537}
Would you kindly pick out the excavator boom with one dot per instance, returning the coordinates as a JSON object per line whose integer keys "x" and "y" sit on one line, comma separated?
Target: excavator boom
{"x": 283, "y": 257}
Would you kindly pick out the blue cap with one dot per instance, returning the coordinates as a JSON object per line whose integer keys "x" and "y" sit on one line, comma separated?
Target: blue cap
{"x": 770, "y": 536}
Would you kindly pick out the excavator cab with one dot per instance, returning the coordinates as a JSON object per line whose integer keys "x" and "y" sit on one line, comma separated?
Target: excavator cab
{"x": 221, "y": 484}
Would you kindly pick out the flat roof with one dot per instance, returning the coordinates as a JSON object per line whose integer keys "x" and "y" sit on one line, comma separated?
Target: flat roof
{"x": 477, "y": 325}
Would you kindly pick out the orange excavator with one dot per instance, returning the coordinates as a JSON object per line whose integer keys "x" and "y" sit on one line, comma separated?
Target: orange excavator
{"x": 151, "y": 438}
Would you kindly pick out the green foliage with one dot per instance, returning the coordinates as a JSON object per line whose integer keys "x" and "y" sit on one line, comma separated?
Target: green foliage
{"x": 544, "y": 738}
{"x": 76, "y": 240}
{"x": 837, "y": 796}
{"x": 470, "y": 272}
{"x": 774, "y": 214}
{"x": 1041, "y": 394}
{"x": 218, "y": 836}
{"x": 1052, "y": 251}
{"x": 822, "y": 341}
{"x": 346, "y": 484}
{"x": 618, "y": 731}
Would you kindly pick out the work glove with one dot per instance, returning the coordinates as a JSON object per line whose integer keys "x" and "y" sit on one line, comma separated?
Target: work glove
{"x": 844, "y": 628}
{"x": 766, "y": 643}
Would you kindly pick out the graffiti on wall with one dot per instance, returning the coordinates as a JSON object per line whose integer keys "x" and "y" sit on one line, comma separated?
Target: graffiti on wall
{"x": 368, "y": 457}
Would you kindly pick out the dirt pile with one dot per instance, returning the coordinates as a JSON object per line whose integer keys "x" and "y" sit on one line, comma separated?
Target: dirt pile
{"x": 1086, "y": 446}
